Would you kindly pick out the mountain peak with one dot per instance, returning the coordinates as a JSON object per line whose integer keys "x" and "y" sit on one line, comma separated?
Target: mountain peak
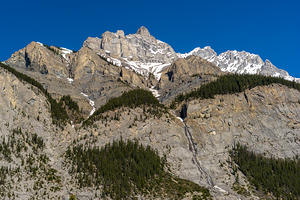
{"x": 143, "y": 31}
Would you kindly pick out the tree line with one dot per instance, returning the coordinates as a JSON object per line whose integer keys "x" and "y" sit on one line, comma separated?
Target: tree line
{"x": 281, "y": 177}
{"x": 230, "y": 84}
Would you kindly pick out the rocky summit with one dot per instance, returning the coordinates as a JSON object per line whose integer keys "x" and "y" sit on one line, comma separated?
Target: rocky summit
{"x": 127, "y": 117}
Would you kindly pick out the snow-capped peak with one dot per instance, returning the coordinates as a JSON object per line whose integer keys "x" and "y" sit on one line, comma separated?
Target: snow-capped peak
{"x": 145, "y": 54}
{"x": 240, "y": 62}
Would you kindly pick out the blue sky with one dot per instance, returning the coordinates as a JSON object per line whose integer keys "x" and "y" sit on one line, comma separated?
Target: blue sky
{"x": 268, "y": 28}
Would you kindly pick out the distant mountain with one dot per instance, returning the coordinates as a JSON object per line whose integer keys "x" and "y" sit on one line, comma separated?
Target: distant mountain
{"x": 240, "y": 62}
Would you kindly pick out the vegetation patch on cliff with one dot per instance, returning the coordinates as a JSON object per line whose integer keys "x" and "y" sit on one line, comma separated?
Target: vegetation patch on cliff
{"x": 277, "y": 176}
{"x": 230, "y": 84}
{"x": 72, "y": 108}
{"x": 58, "y": 113}
{"x": 127, "y": 169}
{"x": 132, "y": 99}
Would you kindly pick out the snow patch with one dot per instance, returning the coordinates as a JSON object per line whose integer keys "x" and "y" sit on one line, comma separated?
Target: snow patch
{"x": 40, "y": 43}
{"x": 65, "y": 52}
{"x": 146, "y": 68}
{"x": 72, "y": 124}
{"x": 154, "y": 92}
{"x": 91, "y": 102}
{"x": 180, "y": 119}
{"x": 70, "y": 80}
{"x": 220, "y": 189}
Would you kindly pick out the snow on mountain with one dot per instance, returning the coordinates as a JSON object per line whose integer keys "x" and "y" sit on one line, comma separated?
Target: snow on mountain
{"x": 206, "y": 53}
{"x": 144, "y": 54}
{"x": 91, "y": 102}
{"x": 140, "y": 52}
{"x": 65, "y": 51}
{"x": 240, "y": 62}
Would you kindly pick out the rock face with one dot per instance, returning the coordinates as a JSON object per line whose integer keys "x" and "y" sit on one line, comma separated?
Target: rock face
{"x": 266, "y": 119}
{"x": 39, "y": 58}
{"x": 141, "y": 46}
{"x": 99, "y": 79}
{"x": 25, "y": 111}
{"x": 185, "y": 75}
{"x": 140, "y": 52}
{"x": 63, "y": 72}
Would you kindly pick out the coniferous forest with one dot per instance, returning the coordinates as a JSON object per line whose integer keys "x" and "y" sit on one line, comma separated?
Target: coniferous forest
{"x": 126, "y": 169}
{"x": 230, "y": 84}
{"x": 281, "y": 177}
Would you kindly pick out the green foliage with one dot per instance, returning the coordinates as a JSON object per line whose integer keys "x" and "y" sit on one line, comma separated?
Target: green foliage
{"x": 125, "y": 169}
{"x": 3, "y": 174}
{"x": 72, "y": 108}
{"x": 131, "y": 99}
{"x": 230, "y": 84}
{"x": 277, "y": 176}
{"x": 67, "y": 101}
{"x": 58, "y": 113}
{"x": 72, "y": 197}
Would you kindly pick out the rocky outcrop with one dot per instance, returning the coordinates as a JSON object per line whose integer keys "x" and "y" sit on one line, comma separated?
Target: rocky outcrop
{"x": 101, "y": 80}
{"x": 39, "y": 58}
{"x": 135, "y": 47}
{"x": 72, "y": 74}
{"x": 140, "y": 52}
{"x": 184, "y": 75}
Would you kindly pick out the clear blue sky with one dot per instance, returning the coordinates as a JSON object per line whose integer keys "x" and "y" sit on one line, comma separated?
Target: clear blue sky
{"x": 270, "y": 28}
